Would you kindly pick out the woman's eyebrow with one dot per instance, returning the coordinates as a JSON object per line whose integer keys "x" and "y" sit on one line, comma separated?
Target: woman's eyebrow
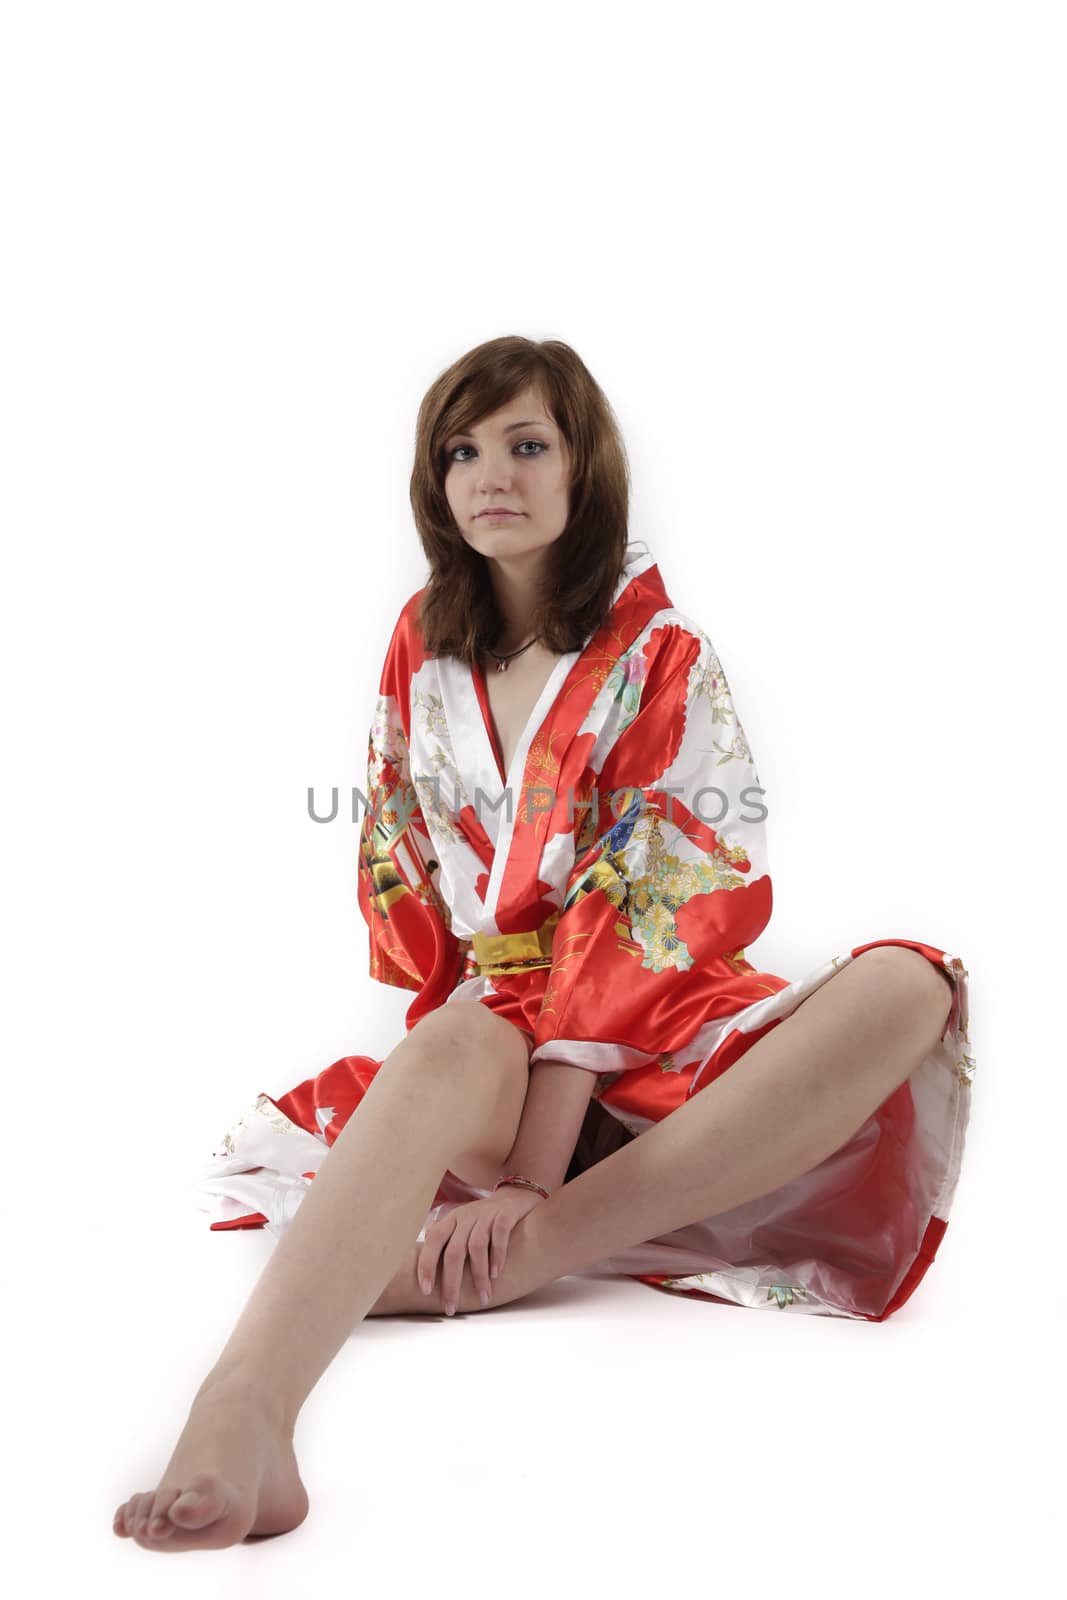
{"x": 533, "y": 423}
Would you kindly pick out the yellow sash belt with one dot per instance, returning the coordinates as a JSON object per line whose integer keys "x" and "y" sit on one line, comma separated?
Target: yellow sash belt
{"x": 514, "y": 952}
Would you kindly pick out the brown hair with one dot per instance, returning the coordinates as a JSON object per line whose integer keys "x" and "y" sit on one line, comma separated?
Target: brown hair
{"x": 459, "y": 615}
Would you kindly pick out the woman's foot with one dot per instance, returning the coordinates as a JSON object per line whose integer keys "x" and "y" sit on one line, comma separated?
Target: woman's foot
{"x": 233, "y": 1474}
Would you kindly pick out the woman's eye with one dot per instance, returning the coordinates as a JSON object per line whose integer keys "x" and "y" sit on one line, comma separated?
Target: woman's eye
{"x": 539, "y": 448}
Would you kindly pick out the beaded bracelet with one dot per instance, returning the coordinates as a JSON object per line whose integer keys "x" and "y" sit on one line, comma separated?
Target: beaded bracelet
{"x": 521, "y": 1183}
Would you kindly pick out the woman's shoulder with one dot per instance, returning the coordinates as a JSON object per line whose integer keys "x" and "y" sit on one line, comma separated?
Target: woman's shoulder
{"x": 406, "y": 629}
{"x": 405, "y": 651}
{"x": 671, "y": 629}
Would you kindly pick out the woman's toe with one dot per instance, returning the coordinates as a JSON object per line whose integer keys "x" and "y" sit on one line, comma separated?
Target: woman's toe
{"x": 201, "y": 1503}
{"x": 158, "y": 1524}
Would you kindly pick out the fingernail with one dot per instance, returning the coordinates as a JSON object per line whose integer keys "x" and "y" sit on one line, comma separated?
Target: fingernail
{"x": 484, "y": 1297}
{"x": 424, "y": 1286}
{"x": 493, "y": 1272}
{"x": 449, "y": 1309}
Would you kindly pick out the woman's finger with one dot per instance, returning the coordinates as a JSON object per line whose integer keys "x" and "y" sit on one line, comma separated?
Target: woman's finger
{"x": 431, "y": 1250}
{"x": 478, "y": 1251}
{"x": 425, "y": 1269}
{"x": 452, "y": 1269}
{"x": 499, "y": 1253}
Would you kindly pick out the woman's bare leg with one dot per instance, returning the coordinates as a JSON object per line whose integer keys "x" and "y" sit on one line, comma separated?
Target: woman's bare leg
{"x": 792, "y": 1100}
{"x": 451, "y": 1091}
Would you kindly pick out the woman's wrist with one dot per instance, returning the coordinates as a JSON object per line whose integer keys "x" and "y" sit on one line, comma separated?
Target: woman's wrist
{"x": 517, "y": 1180}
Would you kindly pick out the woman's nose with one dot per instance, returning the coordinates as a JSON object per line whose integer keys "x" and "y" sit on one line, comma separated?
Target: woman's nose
{"x": 494, "y": 475}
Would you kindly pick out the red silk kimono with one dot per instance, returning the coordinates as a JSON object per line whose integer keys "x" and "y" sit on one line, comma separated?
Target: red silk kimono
{"x": 600, "y": 896}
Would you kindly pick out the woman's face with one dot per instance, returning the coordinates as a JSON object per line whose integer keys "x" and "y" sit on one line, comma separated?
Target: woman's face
{"x": 516, "y": 458}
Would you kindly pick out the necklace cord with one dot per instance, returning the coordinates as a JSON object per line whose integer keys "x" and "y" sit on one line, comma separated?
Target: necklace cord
{"x": 502, "y": 661}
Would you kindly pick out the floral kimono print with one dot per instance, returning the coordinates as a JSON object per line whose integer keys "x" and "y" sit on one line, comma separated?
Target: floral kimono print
{"x": 600, "y": 895}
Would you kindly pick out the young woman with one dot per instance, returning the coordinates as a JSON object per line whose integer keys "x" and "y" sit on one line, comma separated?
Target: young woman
{"x": 563, "y": 856}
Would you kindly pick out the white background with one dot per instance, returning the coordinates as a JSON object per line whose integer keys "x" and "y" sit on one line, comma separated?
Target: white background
{"x": 814, "y": 255}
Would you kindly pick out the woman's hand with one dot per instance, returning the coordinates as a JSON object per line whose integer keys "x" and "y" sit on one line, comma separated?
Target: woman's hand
{"x": 471, "y": 1230}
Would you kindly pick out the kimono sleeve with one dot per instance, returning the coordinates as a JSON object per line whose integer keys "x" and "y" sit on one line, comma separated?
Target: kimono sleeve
{"x": 669, "y": 880}
{"x": 412, "y": 945}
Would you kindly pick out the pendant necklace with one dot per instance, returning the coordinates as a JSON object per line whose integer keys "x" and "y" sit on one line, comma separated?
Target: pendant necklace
{"x": 502, "y": 661}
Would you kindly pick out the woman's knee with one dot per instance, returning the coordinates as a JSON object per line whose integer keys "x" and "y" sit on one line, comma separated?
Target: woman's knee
{"x": 465, "y": 1035}
{"x": 906, "y": 979}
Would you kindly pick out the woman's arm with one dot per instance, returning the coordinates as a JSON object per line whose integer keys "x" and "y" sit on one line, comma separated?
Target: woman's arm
{"x": 557, "y": 1097}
